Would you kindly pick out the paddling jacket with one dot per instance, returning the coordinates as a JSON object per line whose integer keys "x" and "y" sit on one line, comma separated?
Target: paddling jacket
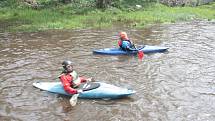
{"x": 71, "y": 81}
{"x": 125, "y": 44}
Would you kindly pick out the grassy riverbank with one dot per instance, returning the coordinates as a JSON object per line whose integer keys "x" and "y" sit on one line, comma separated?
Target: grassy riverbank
{"x": 15, "y": 18}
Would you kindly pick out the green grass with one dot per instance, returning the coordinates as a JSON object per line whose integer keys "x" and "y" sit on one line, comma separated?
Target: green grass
{"x": 63, "y": 17}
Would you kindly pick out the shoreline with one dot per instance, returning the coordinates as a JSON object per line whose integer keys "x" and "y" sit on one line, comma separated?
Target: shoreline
{"x": 30, "y": 20}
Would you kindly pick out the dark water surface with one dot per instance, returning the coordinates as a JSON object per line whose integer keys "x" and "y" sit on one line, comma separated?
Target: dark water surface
{"x": 172, "y": 86}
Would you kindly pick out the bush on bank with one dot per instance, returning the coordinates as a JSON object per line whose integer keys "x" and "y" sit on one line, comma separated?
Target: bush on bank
{"x": 55, "y": 14}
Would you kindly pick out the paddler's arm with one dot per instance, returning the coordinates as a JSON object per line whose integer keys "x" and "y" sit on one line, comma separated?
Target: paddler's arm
{"x": 83, "y": 79}
{"x": 132, "y": 49}
{"x": 67, "y": 86}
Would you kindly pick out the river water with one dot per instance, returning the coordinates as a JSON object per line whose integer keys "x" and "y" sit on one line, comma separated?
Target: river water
{"x": 172, "y": 86}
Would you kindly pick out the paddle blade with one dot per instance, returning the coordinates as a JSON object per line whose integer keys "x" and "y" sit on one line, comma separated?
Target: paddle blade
{"x": 140, "y": 54}
{"x": 74, "y": 99}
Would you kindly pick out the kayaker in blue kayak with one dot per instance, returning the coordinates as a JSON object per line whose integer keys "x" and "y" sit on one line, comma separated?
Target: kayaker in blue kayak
{"x": 70, "y": 78}
{"x": 124, "y": 42}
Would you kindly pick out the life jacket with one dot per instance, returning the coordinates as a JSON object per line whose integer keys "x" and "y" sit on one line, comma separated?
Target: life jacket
{"x": 76, "y": 80}
{"x": 124, "y": 44}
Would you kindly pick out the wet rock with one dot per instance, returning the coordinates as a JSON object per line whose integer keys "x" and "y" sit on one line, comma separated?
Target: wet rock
{"x": 31, "y": 3}
{"x": 138, "y": 6}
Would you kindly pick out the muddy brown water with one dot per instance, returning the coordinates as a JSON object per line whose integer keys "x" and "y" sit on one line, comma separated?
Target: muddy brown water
{"x": 172, "y": 86}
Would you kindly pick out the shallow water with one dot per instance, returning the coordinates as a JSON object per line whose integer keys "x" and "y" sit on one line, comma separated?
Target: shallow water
{"x": 175, "y": 85}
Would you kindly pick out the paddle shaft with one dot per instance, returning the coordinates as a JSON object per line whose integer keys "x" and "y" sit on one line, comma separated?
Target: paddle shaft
{"x": 73, "y": 100}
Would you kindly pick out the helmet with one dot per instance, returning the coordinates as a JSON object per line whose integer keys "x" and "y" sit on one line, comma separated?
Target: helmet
{"x": 123, "y": 35}
{"x": 66, "y": 63}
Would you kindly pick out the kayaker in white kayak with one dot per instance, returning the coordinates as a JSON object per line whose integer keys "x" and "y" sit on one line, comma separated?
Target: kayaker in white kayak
{"x": 70, "y": 78}
{"x": 124, "y": 42}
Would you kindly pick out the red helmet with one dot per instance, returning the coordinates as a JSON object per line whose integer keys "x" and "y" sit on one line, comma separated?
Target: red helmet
{"x": 123, "y": 35}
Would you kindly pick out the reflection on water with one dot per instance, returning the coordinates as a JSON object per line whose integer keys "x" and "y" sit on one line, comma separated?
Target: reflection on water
{"x": 176, "y": 85}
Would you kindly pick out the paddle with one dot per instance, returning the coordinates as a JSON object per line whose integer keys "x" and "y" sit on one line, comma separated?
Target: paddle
{"x": 73, "y": 100}
{"x": 87, "y": 86}
{"x": 139, "y": 53}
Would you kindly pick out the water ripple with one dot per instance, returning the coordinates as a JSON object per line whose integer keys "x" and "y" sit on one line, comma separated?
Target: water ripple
{"x": 175, "y": 85}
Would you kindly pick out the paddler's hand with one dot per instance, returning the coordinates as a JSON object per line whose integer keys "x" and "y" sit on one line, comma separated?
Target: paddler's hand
{"x": 90, "y": 79}
{"x": 80, "y": 91}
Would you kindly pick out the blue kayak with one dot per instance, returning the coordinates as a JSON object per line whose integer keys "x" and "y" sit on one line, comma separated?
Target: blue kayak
{"x": 118, "y": 51}
{"x": 100, "y": 91}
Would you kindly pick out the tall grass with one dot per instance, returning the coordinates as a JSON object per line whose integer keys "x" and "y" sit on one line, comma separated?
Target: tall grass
{"x": 62, "y": 17}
